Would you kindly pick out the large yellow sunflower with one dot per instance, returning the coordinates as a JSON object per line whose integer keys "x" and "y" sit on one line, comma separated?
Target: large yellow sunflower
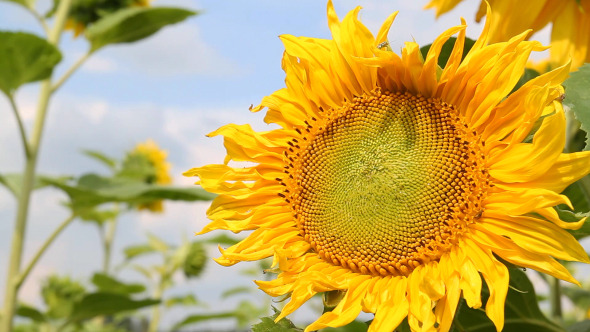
{"x": 570, "y": 34}
{"x": 397, "y": 181}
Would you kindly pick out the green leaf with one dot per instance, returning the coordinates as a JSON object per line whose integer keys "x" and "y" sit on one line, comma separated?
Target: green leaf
{"x": 98, "y": 216}
{"x": 236, "y": 290}
{"x": 577, "y": 97}
{"x": 569, "y": 216}
{"x": 132, "y": 24}
{"x": 583, "y": 326}
{"x": 108, "y": 284}
{"x": 192, "y": 319}
{"x": 26, "y": 3}
{"x": 99, "y": 156}
{"x": 187, "y": 300}
{"x": 25, "y": 58}
{"x": 522, "y": 311}
{"x": 14, "y": 181}
{"x": 101, "y": 303}
{"x": 446, "y": 50}
{"x": 354, "y": 326}
{"x": 138, "y": 250}
{"x": 222, "y": 239}
{"x": 31, "y": 313}
{"x": 267, "y": 324}
{"x": 141, "y": 269}
{"x": 579, "y": 296}
{"x": 157, "y": 244}
{"x": 93, "y": 190}
{"x": 577, "y": 195}
{"x": 246, "y": 313}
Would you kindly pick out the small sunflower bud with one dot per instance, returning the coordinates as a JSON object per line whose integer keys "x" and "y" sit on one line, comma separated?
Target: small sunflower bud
{"x": 195, "y": 260}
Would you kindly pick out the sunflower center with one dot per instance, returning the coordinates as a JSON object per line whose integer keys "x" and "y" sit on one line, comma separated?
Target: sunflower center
{"x": 387, "y": 184}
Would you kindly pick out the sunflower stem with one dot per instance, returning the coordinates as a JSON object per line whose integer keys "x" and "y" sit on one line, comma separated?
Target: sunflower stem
{"x": 22, "y": 277}
{"x": 108, "y": 242}
{"x": 70, "y": 71}
{"x": 21, "y": 127}
{"x": 155, "y": 321}
{"x": 556, "y": 310}
{"x": 18, "y": 237}
{"x": 41, "y": 20}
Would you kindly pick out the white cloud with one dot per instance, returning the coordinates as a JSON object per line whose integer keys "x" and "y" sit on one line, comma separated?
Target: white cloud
{"x": 100, "y": 64}
{"x": 177, "y": 50}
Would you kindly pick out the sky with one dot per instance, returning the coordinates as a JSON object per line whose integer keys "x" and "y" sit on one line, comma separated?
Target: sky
{"x": 174, "y": 87}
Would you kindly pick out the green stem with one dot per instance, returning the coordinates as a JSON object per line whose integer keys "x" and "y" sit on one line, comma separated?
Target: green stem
{"x": 155, "y": 319}
{"x": 41, "y": 20}
{"x": 21, "y": 127}
{"x": 22, "y": 277}
{"x": 556, "y": 311}
{"x": 70, "y": 71}
{"x": 18, "y": 236}
{"x": 108, "y": 244}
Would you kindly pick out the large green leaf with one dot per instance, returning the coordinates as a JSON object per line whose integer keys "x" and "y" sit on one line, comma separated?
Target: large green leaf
{"x": 244, "y": 313}
{"x": 99, "y": 216}
{"x": 13, "y": 182}
{"x": 24, "y": 58}
{"x": 108, "y": 284}
{"x": 31, "y": 313}
{"x": 267, "y": 324}
{"x": 222, "y": 239}
{"x": 192, "y": 319}
{"x": 577, "y": 97}
{"x": 354, "y": 326}
{"x": 138, "y": 250}
{"x": 132, "y": 24}
{"x": 92, "y": 190}
{"x": 579, "y": 296}
{"x": 26, "y": 3}
{"x": 570, "y": 216}
{"x": 186, "y": 300}
{"x": 521, "y": 312}
{"x": 583, "y": 326}
{"x": 101, "y": 303}
{"x": 236, "y": 290}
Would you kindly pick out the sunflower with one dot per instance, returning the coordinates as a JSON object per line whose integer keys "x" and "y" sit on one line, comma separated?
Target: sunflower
{"x": 157, "y": 170}
{"x": 398, "y": 182}
{"x": 570, "y": 20}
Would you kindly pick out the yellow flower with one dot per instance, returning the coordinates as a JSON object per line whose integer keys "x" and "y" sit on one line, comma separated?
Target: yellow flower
{"x": 397, "y": 181}
{"x": 570, "y": 24}
{"x": 161, "y": 169}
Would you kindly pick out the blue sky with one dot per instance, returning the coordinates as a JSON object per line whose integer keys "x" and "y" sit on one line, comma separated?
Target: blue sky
{"x": 174, "y": 87}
